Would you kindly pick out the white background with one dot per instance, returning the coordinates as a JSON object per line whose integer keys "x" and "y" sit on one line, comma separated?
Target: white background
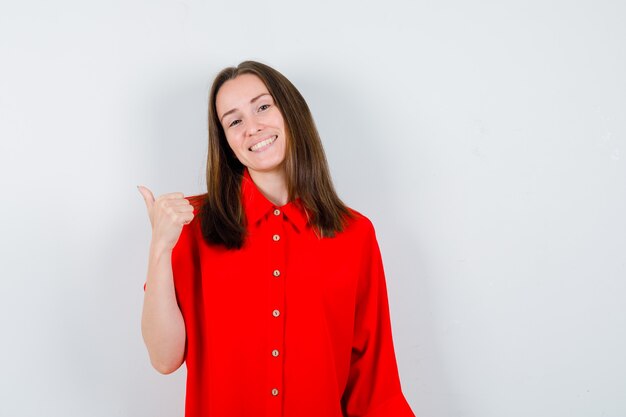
{"x": 485, "y": 140}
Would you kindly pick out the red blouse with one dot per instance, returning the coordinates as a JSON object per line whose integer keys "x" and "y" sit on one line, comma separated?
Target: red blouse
{"x": 289, "y": 325}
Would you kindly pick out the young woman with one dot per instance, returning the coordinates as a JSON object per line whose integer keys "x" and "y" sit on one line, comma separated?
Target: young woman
{"x": 268, "y": 287}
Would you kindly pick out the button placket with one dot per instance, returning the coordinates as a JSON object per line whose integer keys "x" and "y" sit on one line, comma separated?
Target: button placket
{"x": 277, "y": 311}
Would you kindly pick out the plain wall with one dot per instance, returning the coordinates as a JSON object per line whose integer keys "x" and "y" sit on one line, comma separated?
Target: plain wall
{"x": 485, "y": 140}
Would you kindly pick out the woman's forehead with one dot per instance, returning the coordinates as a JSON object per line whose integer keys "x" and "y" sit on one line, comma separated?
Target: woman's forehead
{"x": 239, "y": 90}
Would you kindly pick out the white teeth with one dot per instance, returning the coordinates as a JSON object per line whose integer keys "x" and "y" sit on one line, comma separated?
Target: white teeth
{"x": 263, "y": 143}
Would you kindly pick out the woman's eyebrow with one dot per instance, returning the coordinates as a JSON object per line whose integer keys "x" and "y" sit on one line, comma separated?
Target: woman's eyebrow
{"x": 251, "y": 101}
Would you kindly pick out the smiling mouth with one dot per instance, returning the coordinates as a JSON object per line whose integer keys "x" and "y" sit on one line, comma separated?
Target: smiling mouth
{"x": 263, "y": 144}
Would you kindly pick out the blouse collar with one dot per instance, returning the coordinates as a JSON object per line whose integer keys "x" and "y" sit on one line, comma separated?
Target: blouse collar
{"x": 257, "y": 206}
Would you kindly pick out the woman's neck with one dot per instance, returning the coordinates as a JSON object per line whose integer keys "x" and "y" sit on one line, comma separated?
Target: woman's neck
{"x": 272, "y": 184}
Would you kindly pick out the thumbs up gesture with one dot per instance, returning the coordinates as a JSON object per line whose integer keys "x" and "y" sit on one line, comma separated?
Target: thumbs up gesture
{"x": 168, "y": 214}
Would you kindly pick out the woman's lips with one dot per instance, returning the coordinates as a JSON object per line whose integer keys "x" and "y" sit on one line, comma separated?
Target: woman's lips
{"x": 263, "y": 144}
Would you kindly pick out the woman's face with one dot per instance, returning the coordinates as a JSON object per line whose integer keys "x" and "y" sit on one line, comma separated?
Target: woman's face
{"x": 253, "y": 124}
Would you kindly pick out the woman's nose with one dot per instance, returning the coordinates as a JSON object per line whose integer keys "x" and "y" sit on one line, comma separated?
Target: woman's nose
{"x": 253, "y": 127}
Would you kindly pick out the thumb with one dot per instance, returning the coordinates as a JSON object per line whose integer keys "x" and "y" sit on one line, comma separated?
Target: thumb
{"x": 147, "y": 196}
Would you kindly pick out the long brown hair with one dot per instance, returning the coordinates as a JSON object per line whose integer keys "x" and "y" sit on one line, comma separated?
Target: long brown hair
{"x": 308, "y": 177}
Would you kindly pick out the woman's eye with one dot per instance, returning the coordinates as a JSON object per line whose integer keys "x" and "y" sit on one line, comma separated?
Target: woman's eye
{"x": 263, "y": 106}
{"x": 233, "y": 123}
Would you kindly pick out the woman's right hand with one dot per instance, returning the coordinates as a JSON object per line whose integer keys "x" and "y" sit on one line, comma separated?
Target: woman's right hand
{"x": 168, "y": 214}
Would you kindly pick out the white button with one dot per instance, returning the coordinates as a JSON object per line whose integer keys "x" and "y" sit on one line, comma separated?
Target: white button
{"x": 274, "y": 392}
{"x": 276, "y": 273}
{"x": 276, "y": 212}
{"x": 275, "y": 352}
{"x": 276, "y": 313}
{"x": 276, "y": 238}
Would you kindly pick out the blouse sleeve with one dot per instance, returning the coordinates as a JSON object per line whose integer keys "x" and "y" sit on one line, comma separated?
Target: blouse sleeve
{"x": 373, "y": 388}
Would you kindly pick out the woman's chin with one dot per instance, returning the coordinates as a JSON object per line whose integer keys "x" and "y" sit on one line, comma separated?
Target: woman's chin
{"x": 268, "y": 165}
